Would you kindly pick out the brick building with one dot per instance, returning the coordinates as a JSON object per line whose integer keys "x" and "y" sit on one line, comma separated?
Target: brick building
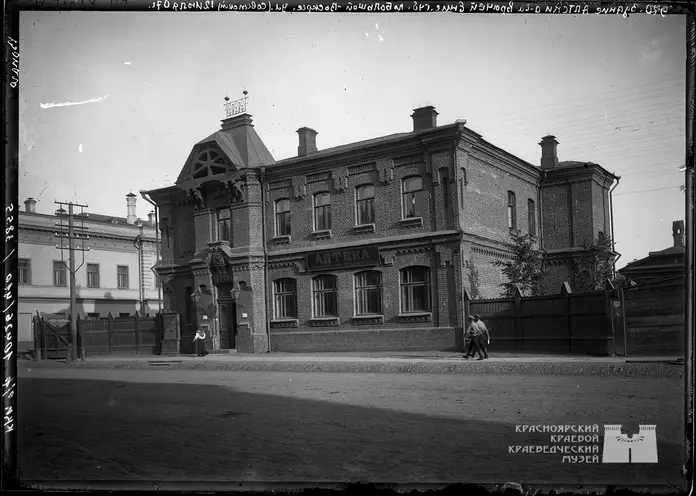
{"x": 114, "y": 278}
{"x": 368, "y": 245}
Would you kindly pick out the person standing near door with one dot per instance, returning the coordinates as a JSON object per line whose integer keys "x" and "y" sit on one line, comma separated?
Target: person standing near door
{"x": 199, "y": 343}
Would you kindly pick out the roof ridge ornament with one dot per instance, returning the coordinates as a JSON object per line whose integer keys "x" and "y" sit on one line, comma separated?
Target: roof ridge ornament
{"x": 236, "y": 107}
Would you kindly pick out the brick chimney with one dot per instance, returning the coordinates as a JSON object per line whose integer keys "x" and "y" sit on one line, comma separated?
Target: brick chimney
{"x": 30, "y": 206}
{"x": 308, "y": 141}
{"x": 130, "y": 205}
{"x": 549, "y": 156}
{"x": 151, "y": 217}
{"x": 678, "y": 233}
{"x": 424, "y": 118}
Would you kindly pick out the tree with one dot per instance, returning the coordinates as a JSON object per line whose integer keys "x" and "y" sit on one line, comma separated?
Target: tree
{"x": 594, "y": 265}
{"x": 526, "y": 268}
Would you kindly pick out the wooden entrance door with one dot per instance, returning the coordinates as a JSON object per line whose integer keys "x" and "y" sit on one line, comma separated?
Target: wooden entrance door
{"x": 228, "y": 323}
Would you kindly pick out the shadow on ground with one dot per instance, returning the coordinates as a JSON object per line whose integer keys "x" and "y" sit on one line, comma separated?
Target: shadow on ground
{"x": 82, "y": 430}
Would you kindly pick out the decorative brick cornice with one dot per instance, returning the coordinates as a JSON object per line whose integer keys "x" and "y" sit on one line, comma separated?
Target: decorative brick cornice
{"x": 323, "y": 234}
{"x": 362, "y": 168}
{"x": 416, "y": 317}
{"x": 363, "y": 229}
{"x": 412, "y": 222}
{"x": 284, "y": 324}
{"x": 368, "y": 320}
{"x": 281, "y": 240}
{"x": 324, "y": 322}
{"x": 490, "y": 252}
{"x": 414, "y": 251}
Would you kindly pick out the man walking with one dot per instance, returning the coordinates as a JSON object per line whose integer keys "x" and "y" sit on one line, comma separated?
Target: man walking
{"x": 484, "y": 338}
{"x": 474, "y": 345}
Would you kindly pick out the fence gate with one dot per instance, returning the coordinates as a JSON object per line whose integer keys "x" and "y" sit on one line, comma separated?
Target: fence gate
{"x": 51, "y": 338}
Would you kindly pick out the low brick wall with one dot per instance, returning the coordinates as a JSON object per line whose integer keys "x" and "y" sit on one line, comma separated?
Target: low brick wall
{"x": 428, "y": 339}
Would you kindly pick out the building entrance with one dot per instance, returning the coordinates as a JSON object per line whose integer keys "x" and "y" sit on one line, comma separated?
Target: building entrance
{"x": 228, "y": 317}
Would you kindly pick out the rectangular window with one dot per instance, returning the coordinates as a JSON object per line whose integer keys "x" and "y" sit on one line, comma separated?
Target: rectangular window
{"x": 413, "y": 197}
{"x": 368, "y": 293}
{"x": 322, "y": 211}
{"x": 60, "y": 274}
{"x": 531, "y": 217}
{"x": 285, "y": 299}
{"x": 415, "y": 289}
{"x": 122, "y": 276}
{"x": 92, "y": 275}
{"x": 325, "y": 292}
{"x": 24, "y": 267}
{"x": 224, "y": 225}
{"x": 365, "y": 204}
{"x": 282, "y": 218}
{"x": 512, "y": 211}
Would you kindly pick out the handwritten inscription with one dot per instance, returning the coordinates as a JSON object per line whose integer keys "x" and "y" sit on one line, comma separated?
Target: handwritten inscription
{"x": 415, "y": 6}
{"x": 15, "y": 62}
{"x": 9, "y": 384}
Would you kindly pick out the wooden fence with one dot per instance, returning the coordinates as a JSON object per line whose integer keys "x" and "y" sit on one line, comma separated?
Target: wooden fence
{"x": 655, "y": 316}
{"x": 565, "y": 323}
{"x": 119, "y": 336}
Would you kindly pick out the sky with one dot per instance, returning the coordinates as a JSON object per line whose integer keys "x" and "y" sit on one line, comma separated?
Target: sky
{"x": 611, "y": 89}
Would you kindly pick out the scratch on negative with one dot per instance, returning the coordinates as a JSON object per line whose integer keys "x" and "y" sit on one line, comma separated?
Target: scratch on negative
{"x": 67, "y": 104}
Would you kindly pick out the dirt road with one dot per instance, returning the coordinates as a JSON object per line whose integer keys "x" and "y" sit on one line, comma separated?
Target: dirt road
{"x": 263, "y": 426}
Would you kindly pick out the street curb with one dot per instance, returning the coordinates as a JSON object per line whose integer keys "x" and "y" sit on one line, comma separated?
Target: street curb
{"x": 489, "y": 368}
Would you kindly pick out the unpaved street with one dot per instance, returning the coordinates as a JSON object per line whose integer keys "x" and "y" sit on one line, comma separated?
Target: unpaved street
{"x": 173, "y": 425}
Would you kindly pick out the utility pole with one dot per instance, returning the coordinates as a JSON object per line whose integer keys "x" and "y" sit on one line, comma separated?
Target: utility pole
{"x": 71, "y": 236}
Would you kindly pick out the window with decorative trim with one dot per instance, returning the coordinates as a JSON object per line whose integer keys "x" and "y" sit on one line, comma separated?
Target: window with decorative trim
{"x": 365, "y": 204}
{"x": 122, "y": 276}
{"x": 60, "y": 274}
{"x": 224, "y": 224}
{"x": 412, "y": 197}
{"x": 531, "y": 217}
{"x": 282, "y": 217}
{"x": 285, "y": 298}
{"x": 415, "y": 289}
{"x": 512, "y": 210}
{"x": 325, "y": 296}
{"x": 368, "y": 293}
{"x": 92, "y": 275}
{"x": 322, "y": 211}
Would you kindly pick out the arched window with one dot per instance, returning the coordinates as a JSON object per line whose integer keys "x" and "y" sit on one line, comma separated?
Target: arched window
{"x": 282, "y": 217}
{"x": 512, "y": 211}
{"x": 322, "y": 211}
{"x": 368, "y": 293}
{"x": 224, "y": 225}
{"x": 415, "y": 289}
{"x": 285, "y": 298}
{"x": 531, "y": 217}
{"x": 325, "y": 296}
{"x": 365, "y": 204}
{"x": 412, "y": 197}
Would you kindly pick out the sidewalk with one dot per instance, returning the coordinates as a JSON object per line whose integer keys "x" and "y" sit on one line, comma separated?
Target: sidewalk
{"x": 389, "y": 362}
